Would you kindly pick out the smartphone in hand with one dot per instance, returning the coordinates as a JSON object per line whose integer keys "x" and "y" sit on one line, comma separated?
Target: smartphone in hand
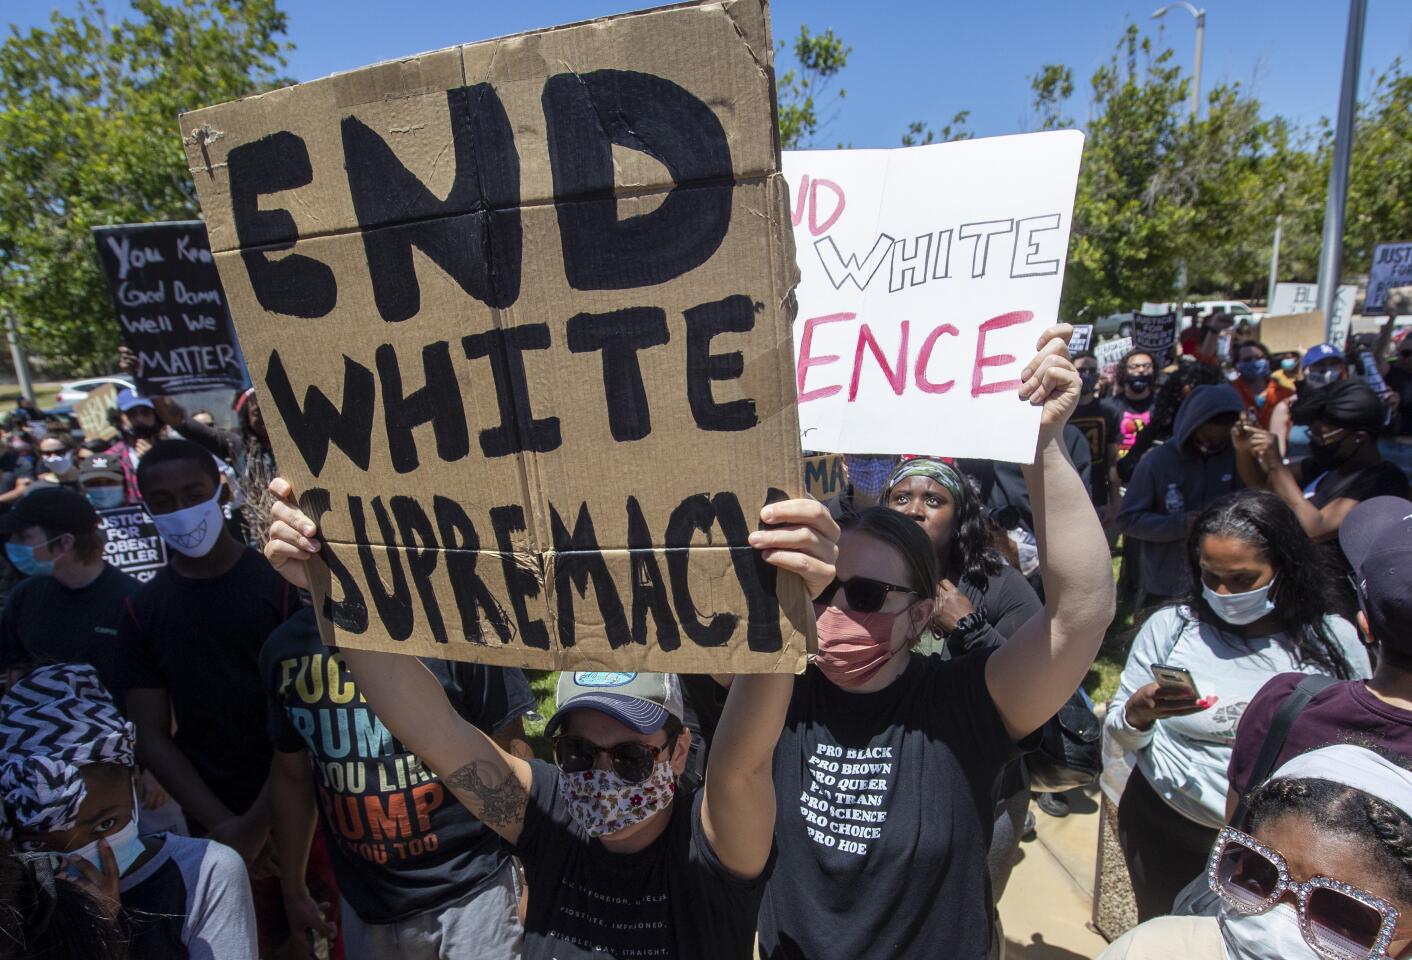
{"x": 1175, "y": 678}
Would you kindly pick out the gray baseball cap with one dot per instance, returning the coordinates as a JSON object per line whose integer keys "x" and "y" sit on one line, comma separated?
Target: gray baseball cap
{"x": 642, "y": 701}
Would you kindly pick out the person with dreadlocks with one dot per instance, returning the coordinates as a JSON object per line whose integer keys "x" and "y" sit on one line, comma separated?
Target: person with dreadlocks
{"x": 67, "y": 785}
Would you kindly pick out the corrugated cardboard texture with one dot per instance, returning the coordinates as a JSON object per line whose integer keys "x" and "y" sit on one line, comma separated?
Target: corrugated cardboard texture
{"x": 1293, "y": 333}
{"x": 434, "y": 264}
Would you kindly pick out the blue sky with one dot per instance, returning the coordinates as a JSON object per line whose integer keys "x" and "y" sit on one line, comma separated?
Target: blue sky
{"x": 913, "y": 60}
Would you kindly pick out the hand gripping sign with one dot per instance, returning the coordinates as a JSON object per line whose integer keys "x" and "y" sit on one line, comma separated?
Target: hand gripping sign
{"x": 518, "y": 313}
{"x": 926, "y": 276}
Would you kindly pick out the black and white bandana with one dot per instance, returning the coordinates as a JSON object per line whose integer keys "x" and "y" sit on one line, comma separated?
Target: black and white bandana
{"x": 52, "y": 722}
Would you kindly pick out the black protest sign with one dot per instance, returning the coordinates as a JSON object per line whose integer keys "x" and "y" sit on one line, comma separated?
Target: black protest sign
{"x": 133, "y": 546}
{"x": 519, "y": 314}
{"x": 171, "y": 309}
{"x": 1082, "y": 340}
{"x": 1155, "y": 334}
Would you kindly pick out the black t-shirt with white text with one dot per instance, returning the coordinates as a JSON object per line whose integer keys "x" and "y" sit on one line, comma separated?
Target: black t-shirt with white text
{"x": 885, "y": 813}
{"x": 199, "y": 640}
{"x": 45, "y": 620}
{"x": 400, "y": 842}
{"x": 673, "y": 899}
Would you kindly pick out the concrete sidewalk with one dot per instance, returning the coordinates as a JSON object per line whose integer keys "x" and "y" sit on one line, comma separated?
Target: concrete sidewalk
{"x": 1046, "y": 909}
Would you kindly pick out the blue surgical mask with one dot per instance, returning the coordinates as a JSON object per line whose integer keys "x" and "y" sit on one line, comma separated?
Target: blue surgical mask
{"x": 126, "y": 845}
{"x": 22, "y": 556}
{"x": 1289, "y": 365}
{"x": 1254, "y": 369}
{"x": 105, "y": 498}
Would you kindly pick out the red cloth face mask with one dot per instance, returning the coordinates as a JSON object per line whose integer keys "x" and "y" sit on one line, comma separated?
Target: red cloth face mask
{"x": 854, "y": 646}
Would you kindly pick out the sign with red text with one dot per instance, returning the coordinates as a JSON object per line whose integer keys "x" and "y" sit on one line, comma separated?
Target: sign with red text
{"x": 927, "y": 275}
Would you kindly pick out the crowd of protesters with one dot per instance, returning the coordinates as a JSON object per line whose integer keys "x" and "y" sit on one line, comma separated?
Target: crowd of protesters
{"x": 187, "y": 770}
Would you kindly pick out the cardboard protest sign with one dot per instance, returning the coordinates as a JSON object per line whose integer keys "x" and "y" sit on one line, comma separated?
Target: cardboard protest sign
{"x": 1156, "y": 334}
{"x": 1392, "y": 267}
{"x": 92, "y": 413}
{"x": 1110, "y": 353}
{"x": 171, "y": 310}
{"x": 133, "y": 546}
{"x": 519, "y": 316}
{"x": 824, "y": 476}
{"x": 1293, "y": 298}
{"x": 1082, "y": 340}
{"x": 926, "y": 277}
{"x": 1293, "y": 334}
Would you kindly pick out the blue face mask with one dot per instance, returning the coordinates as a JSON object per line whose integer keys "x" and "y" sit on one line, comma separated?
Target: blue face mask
{"x": 105, "y": 498}
{"x": 1254, "y": 369}
{"x": 22, "y": 556}
{"x": 1289, "y": 365}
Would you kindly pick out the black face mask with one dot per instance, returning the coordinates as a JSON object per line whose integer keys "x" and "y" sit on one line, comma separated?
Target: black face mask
{"x": 1138, "y": 384}
{"x": 145, "y": 432}
{"x": 1329, "y": 456}
{"x": 1089, "y": 380}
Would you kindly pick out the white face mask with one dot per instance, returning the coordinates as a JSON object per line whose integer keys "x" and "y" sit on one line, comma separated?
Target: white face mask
{"x": 59, "y": 464}
{"x": 194, "y": 531}
{"x": 1240, "y": 609}
{"x": 1273, "y": 935}
{"x": 126, "y": 845}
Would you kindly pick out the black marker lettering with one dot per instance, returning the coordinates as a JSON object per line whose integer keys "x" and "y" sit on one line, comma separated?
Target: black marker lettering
{"x": 319, "y": 421}
{"x": 462, "y": 545}
{"x": 649, "y": 590}
{"x": 577, "y": 559}
{"x": 350, "y": 613}
{"x": 692, "y": 514}
{"x": 519, "y": 431}
{"x": 295, "y": 285}
{"x": 438, "y": 402}
{"x": 474, "y": 234}
{"x": 731, "y": 315}
{"x": 520, "y": 583}
{"x": 420, "y": 545}
{"x": 586, "y": 114}
{"x": 620, "y": 335}
{"x": 395, "y": 608}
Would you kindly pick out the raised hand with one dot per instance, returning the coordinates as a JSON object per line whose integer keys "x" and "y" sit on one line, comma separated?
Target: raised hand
{"x": 1051, "y": 381}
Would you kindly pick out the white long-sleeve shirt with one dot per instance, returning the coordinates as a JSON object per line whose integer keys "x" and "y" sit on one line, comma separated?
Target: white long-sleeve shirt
{"x": 1185, "y": 758}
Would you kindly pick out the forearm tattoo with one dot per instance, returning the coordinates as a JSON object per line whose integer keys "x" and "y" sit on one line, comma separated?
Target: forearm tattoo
{"x": 501, "y": 805}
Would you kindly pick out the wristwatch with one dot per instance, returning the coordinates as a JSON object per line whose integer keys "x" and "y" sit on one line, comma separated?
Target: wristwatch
{"x": 971, "y": 623}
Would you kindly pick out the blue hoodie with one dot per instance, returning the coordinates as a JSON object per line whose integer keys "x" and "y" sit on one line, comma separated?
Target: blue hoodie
{"x": 1171, "y": 482}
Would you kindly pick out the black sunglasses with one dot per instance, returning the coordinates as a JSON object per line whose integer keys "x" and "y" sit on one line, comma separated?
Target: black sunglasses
{"x": 631, "y": 761}
{"x": 864, "y": 594}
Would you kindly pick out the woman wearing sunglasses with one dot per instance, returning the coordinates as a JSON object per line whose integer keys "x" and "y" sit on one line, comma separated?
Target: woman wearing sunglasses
{"x": 981, "y": 601}
{"x": 1262, "y": 604}
{"x": 885, "y": 768}
{"x": 617, "y": 864}
{"x": 1325, "y": 871}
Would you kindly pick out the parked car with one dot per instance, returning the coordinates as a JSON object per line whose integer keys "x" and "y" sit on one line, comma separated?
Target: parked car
{"x": 1114, "y": 325}
{"x": 74, "y": 392}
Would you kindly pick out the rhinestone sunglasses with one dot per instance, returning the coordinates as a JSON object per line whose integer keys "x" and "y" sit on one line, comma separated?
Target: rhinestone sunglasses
{"x": 1338, "y": 921}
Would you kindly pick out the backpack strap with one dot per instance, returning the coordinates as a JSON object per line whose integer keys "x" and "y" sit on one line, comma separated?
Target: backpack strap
{"x": 1276, "y": 736}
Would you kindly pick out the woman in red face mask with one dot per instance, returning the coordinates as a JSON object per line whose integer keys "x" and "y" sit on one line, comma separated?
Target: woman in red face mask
{"x": 888, "y": 758}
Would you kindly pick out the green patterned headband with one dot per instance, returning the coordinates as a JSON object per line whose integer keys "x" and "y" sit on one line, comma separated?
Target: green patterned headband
{"x": 943, "y": 473}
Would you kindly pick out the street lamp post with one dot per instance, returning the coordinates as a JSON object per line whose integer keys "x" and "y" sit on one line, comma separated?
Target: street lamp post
{"x": 1200, "y": 16}
{"x": 1331, "y": 254}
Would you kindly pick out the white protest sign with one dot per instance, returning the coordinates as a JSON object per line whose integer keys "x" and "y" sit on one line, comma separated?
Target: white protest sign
{"x": 1292, "y": 298}
{"x": 927, "y": 275}
{"x": 1110, "y": 352}
{"x": 1392, "y": 267}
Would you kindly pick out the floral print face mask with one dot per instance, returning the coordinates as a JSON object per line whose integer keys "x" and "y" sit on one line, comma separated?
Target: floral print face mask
{"x": 602, "y": 802}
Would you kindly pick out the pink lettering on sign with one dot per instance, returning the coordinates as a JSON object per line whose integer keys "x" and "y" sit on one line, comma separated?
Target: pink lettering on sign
{"x": 896, "y": 375}
{"x": 807, "y": 198}
{"x": 924, "y": 359}
{"x": 895, "y": 369}
{"x": 978, "y": 387}
{"x": 806, "y": 360}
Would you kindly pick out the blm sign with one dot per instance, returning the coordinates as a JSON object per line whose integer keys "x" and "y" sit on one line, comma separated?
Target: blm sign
{"x": 519, "y": 315}
{"x": 170, "y": 306}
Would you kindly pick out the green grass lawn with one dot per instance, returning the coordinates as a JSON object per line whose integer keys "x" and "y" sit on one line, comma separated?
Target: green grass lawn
{"x": 45, "y": 394}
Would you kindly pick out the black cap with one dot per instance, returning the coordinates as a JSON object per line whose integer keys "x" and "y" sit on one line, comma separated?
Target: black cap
{"x": 1376, "y": 537}
{"x": 58, "y": 509}
{"x": 100, "y": 465}
{"x": 1344, "y": 403}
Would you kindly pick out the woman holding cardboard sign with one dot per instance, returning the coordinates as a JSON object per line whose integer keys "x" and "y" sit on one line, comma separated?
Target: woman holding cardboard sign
{"x": 616, "y": 863}
{"x": 886, "y": 764}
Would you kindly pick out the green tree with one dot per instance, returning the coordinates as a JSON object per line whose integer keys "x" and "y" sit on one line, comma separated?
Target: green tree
{"x": 88, "y": 130}
{"x": 919, "y": 133}
{"x": 1380, "y": 173}
{"x": 806, "y": 105}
